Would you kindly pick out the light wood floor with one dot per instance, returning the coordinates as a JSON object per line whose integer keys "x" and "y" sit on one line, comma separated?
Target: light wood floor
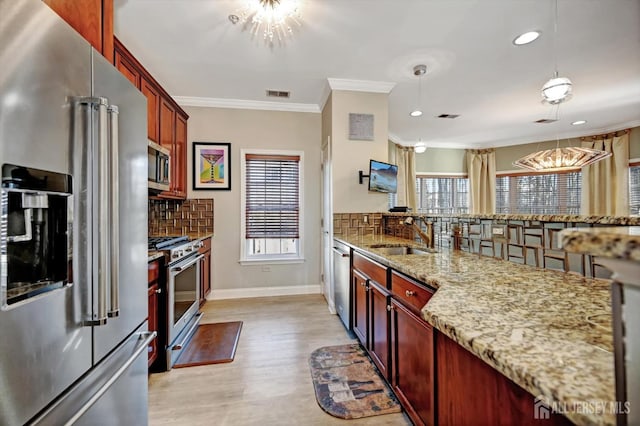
{"x": 269, "y": 382}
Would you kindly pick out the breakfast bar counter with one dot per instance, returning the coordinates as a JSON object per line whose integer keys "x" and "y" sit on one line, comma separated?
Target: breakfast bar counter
{"x": 547, "y": 331}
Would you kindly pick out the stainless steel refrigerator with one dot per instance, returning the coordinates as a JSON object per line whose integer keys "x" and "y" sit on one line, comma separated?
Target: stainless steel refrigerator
{"x": 73, "y": 228}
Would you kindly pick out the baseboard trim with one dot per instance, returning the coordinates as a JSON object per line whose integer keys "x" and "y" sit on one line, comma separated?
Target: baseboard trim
{"x": 245, "y": 293}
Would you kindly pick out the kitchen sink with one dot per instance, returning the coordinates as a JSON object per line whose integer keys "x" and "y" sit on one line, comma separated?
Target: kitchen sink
{"x": 401, "y": 250}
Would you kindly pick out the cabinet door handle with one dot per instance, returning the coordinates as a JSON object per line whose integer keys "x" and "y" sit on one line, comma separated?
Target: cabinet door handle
{"x": 409, "y": 293}
{"x": 389, "y": 308}
{"x": 158, "y": 291}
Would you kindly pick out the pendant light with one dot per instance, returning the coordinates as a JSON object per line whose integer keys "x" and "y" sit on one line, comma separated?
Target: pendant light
{"x": 419, "y": 71}
{"x": 557, "y": 89}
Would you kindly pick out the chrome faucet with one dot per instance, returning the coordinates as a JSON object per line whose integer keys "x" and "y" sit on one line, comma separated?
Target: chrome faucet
{"x": 426, "y": 238}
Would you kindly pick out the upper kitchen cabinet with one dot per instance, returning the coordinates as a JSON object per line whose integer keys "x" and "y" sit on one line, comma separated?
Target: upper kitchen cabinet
{"x": 93, "y": 19}
{"x": 166, "y": 121}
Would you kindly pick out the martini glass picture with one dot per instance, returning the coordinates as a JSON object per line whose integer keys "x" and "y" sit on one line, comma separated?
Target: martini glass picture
{"x": 211, "y": 166}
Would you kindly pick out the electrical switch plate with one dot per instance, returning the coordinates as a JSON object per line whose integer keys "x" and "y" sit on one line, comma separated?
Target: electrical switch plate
{"x": 497, "y": 230}
{"x": 365, "y": 218}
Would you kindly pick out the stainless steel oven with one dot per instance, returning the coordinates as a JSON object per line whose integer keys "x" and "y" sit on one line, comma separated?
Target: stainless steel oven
{"x": 183, "y": 292}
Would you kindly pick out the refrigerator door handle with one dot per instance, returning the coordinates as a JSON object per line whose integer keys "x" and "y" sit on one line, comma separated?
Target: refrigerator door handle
{"x": 114, "y": 308}
{"x": 100, "y": 105}
{"x": 144, "y": 339}
{"x": 57, "y": 413}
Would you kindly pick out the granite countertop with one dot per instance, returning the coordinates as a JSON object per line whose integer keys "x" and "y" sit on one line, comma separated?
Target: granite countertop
{"x": 618, "y": 243}
{"x": 604, "y": 220}
{"x": 548, "y": 331}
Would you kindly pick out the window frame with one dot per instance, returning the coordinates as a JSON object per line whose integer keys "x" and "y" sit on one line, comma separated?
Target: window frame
{"x": 453, "y": 193}
{"x": 513, "y": 195}
{"x": 245, "y": 258}
{"x": 633, "y": 163}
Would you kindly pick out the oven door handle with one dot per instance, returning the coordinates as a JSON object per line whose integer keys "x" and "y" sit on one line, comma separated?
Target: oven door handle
{"x": 187, "y": 265}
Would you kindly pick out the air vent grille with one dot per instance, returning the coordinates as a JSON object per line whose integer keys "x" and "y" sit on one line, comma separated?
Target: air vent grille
{"x": 278, "y": 94}
{"x": 545, "y": 121}
{"x": 452, "y": 116}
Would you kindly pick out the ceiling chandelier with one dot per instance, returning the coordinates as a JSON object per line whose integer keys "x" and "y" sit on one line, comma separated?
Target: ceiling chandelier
{"x": 558, "y": 159}
{"x": 420, "y": 147}
{"x": 557, "y": 89}
{"x": 274, "y": 19}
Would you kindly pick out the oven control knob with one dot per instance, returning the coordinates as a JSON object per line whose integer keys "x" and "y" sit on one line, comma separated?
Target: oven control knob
{"x": 175, "y": 255}
{"x": 189, "y": 249}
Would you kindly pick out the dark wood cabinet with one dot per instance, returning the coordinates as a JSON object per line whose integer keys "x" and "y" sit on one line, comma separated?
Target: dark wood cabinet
{"x": 205, "y": 277}
{"x": 92, "y": 19}
{"x": 472, "y": 392}
{"x": 379, "y": 326}
{"x": 371, "y": 314}
{"x": 153, "y": 275}
{"x": 180, "y": 153}
{"x": 166, "y": 121}
{"x": 152, "y": 94}
{"x": 360, "y": 307}
{"x": 127, "y": 69}
{"x": 413, "y": 367}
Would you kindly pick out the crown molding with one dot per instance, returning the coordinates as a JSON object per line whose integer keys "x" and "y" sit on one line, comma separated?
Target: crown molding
{"x": 361, "y": 85}
{"x": 518, "y": 141}
{"x": 245, "y": 104}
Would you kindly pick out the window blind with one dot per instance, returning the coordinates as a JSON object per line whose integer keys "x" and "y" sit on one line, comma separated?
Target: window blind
{"x": 634, "y": 189}
{"x": 549, "y": 193}
{"x": 443, "y": 195}
{"x": 272, "y": 196}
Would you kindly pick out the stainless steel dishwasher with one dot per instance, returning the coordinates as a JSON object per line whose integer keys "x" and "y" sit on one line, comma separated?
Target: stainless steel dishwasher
{"x": 341, "y": 279}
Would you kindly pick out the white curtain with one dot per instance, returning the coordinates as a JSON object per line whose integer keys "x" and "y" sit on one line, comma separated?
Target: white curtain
{"x": 481, "y": 167}
{"x": 605, "y": 184}
{"x": 405, "y": 158}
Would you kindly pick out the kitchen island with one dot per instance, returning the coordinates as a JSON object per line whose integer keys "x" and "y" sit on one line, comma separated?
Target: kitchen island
{"x": 547, "y": 331}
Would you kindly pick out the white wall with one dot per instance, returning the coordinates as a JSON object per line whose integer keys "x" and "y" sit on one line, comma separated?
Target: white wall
{"x": 250, "y": 129}
{"x": 349, "y": 156}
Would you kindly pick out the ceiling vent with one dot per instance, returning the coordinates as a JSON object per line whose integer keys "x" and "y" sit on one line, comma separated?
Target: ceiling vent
{"x": 278, "y": 94}
{"x": 452, "y": 116}
{"x": 545, "y": 121}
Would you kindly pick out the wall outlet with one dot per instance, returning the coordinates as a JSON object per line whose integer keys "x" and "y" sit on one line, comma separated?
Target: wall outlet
{"x": 365, "y": 218}
{"x": 266, "y": 269}
{"x": 497, "y": 231}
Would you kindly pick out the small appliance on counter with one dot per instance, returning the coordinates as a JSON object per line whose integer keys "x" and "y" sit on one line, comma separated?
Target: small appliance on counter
{"x": 184, "y": 266}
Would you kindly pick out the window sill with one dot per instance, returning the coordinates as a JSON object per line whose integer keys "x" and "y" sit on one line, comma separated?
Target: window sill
{"x": 274, "y": 261}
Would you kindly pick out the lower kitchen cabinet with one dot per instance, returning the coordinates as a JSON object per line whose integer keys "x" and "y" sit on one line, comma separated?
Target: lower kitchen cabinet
{"x": 153, "y": 322}
{"x": 153, "y": 279}
{"x": 470, "y": 392}
{"x": 360, "y": 307}
{"x": 379, "y": 327}
{"x": 205, "y": 271}
{"x": 412, "y": 347}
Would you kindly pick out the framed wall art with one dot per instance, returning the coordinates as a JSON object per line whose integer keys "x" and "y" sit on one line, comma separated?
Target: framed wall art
{"x": 211, "y": 166}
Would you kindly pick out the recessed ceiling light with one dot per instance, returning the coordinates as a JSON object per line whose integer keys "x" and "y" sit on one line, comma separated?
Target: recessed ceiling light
{"x": 579, "y": 122}
{"x": 415, "y": 113}
{"x": 526, "y": 38}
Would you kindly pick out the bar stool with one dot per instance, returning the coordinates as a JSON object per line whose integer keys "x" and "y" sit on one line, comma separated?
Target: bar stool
{"x": 554, "y": 253}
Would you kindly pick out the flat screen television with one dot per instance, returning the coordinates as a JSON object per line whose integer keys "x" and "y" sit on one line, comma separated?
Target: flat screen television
{"x": 383, "y": 177}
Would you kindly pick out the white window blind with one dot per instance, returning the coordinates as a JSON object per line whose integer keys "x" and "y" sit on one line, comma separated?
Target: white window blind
{"x": 272, "y": 196}
{"x": 551, "y": 193}
{"x": 442, "y": 195}
{"x": 634, "y": 189}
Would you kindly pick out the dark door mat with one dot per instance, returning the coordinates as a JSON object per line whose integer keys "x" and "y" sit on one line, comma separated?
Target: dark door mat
{"x": 347, "y": 384}
{"x": 211, "y": 344}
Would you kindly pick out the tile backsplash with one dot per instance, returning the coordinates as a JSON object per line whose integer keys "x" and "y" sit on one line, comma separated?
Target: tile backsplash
{"x": 354, "y": 224}
{"x": 178, "y": 217}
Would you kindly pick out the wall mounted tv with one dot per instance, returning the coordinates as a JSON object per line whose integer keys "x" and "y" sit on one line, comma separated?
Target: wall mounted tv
{"x": 383, "y": 177}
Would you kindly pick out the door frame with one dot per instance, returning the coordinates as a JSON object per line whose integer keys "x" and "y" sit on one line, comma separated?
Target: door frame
{"x": 327, "y": 227}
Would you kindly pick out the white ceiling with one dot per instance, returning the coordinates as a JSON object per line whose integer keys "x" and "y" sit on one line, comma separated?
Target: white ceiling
{"x": 474, "y": 70}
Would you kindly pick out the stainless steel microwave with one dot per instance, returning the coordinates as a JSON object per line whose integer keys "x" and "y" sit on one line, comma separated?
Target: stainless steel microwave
{"x": 159, "y": 161}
